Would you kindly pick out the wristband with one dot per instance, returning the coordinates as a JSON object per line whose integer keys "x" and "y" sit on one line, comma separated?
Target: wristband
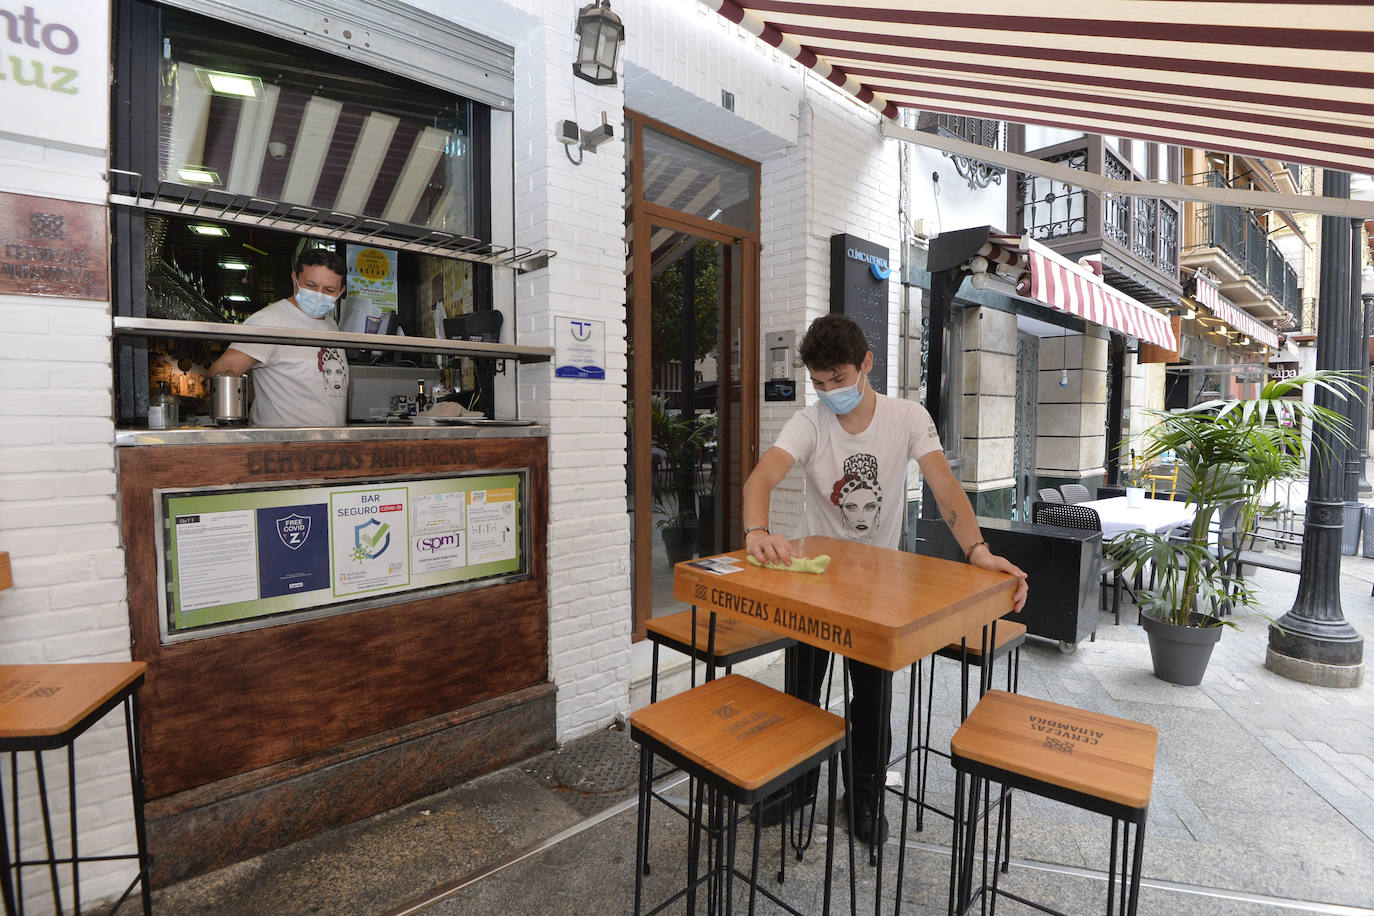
{"x": 752, "y": 528}
{"x": 968, "y": 554}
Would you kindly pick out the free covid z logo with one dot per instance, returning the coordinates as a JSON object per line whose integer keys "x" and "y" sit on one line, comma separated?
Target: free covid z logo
{"x": 294, "y": 530}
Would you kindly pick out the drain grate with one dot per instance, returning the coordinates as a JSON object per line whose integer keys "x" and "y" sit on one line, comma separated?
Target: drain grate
{"x": 602, "y": 762}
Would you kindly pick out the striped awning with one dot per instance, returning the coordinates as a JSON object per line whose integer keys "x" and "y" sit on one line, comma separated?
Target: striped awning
{"x": 1290, "y": 81}
{"x": 1209, "y": 294}
{"x": 1042, "y": 276}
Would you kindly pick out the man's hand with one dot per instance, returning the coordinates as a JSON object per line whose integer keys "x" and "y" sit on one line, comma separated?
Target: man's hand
{"x": 770, "y": 548}
{"x": 989, "y": 560}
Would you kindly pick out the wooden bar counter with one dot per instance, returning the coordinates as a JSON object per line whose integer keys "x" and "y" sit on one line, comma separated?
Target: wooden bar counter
{"x": 256, "y": 736}
{"x": 883, "y": 607}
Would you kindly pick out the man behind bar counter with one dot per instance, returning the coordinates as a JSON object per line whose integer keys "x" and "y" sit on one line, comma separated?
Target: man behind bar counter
{"x": 293, "y": 385}
{"x": 854, "y": 447}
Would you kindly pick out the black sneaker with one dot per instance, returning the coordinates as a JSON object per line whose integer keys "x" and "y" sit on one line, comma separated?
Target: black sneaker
{"x": 862, "y": 827}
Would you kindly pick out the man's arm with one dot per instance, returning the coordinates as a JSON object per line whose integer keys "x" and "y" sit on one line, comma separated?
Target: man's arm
{"x": 232, "y": 362}
{"x": 957, "y": 512}
{"x": 765, "y": 546}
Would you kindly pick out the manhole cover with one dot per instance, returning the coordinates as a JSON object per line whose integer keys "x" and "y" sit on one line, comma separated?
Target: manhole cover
{"x": 602, "y": 762}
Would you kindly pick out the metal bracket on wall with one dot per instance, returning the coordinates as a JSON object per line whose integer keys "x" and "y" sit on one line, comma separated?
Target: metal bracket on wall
{"x": 221, "y": 206}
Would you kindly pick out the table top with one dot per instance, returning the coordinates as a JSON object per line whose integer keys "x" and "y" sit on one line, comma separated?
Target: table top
{"x": 874, "y": 605}
{"x": 1157, "y": 515}
{"x": 43, "y": 701}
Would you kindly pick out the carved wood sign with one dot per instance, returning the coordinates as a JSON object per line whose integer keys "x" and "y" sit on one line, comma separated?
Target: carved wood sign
{"x": 53, "y": 248}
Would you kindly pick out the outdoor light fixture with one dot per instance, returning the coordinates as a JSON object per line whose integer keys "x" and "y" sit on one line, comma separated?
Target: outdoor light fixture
{"x": 231, "y": 84}
{"x": 194, "y": 174}
{"x": 218, "y": 231}
{"x": 599, "y": 34}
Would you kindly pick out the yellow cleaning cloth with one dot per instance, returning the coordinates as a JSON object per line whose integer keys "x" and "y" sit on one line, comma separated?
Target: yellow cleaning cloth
{"x": 797, "y": 564}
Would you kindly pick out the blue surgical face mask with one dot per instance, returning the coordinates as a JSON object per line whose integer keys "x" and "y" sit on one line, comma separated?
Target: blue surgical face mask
{"x": 314, "y": 303}
{"x": 841, "y": 400}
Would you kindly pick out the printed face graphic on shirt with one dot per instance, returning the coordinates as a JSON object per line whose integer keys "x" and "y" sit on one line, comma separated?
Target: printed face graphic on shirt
{"x": 858, "y": 497}
{"x": 332, "y": 369}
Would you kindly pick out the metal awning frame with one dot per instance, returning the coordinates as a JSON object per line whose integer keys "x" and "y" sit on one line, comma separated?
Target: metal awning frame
{"x": 1112, "y": 187}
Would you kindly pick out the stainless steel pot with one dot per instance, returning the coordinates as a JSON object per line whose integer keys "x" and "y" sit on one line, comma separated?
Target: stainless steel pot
{"x": 228, "y": 394}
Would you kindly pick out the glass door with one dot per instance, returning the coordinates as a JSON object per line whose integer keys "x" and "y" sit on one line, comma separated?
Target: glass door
{"x": 692, "y": 286}
{"x": 691, "y": 387}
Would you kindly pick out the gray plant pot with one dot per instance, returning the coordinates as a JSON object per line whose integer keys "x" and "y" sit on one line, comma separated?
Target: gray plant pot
{"x": 1181, "y": 654}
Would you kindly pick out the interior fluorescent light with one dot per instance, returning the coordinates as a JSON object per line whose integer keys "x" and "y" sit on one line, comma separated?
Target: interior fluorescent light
{"x": 197, "y": 175}
{"x": 235, "y": 84}
{"x": 233, "y": 265}
{"x": 236, "y": 298}
{"x": 218, "y": 231}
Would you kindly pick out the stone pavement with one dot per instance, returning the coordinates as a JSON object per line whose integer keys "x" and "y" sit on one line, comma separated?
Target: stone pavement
{"x": 1263, "y": 803}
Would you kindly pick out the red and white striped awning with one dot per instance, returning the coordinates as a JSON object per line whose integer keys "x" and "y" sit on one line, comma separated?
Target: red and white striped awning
{"x": 1286, "y": 80}
{"x": 1209, "y": 294}
{"x": 1047, "y": 278}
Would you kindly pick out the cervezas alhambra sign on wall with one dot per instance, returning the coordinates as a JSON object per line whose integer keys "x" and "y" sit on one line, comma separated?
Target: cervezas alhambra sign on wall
{"x": 53, "y": 248}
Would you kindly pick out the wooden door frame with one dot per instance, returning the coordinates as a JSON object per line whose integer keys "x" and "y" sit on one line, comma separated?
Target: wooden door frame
{"x": 643, "y": 215}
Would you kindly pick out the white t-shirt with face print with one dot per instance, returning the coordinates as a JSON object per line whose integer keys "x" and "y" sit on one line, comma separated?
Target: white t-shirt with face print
{"x": 856, "y": 485}
{"x": 295, "y": 385}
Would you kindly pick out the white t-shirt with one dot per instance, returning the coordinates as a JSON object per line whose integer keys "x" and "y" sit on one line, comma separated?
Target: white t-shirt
{"x": 296, "y": 386}
{"x": 856, "y": 485}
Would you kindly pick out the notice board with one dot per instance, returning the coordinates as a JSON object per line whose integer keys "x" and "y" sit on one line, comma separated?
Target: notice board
{"x": 237, "y": 555}
{"x": 859, "y": 273}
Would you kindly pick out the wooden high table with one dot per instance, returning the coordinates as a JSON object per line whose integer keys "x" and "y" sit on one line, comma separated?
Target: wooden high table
{"x": 874, "y": 605}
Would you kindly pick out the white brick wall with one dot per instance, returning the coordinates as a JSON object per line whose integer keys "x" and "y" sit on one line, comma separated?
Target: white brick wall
{"x": 840, "y": 177}
{"x": 59, "y": 524}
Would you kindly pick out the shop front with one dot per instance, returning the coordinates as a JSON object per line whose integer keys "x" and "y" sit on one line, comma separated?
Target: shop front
{"x": 341, "y": 618}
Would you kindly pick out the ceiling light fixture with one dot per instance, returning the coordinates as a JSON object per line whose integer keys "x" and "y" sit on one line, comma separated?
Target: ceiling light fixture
{"x": 232, "y": 84}
{"x": 233, "y": 265}
{"x": 194, "y": 174}
{"x": 217, "y": 231}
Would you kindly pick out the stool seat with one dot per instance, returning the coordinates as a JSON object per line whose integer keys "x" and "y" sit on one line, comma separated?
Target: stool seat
{"x": 1009, "y": 635}
{"x": 744, "y": 733}
{"x": 1083, "y": 752}
{"x": 736, "y": 641}
{"x": 45, "y": 706}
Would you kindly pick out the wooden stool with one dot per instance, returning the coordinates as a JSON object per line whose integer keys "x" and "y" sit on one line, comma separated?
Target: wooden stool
{"x": 1092, "y": 761}
{"x": 43, "y": 707}
{"x": 1009, "y": 637}
{"x": 690, "y": 632}
{"x": 742, "y": 740}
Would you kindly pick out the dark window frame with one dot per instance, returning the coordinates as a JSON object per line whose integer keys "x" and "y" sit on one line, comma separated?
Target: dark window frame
{"x": 137, "y": 35}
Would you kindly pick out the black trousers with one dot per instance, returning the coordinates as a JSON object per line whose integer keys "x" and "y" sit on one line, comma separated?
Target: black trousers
{"x": 872, "y": 734}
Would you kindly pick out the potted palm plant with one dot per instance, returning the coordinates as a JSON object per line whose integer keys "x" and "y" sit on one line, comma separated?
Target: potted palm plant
{"x": 1228, "y": 451}
{"x": 678, "y": 439}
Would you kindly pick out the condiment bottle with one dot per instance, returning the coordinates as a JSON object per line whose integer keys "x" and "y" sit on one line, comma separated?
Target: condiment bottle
{"x": 162, "y": 409}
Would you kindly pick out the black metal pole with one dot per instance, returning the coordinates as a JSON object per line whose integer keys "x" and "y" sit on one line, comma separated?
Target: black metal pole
{"x": 944, "y": 285}
{"x": 1313, "y": 642}
{"x": 1360, "y": 363}
{"x": 1354, "y": 456}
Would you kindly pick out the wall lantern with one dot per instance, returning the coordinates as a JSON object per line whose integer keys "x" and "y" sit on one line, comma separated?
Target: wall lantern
{"x": 599, "y": 34}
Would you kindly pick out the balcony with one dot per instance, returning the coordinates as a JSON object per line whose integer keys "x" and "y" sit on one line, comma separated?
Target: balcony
{"x": 1138, "y": 236}
{"x": 1232, "y": 244}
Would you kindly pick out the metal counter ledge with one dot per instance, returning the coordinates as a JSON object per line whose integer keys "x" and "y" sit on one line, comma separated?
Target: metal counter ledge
{"x": 365, "y": 432}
